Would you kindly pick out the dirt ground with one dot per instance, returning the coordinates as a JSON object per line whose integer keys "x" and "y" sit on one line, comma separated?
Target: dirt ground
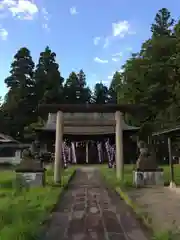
{"x": 162, "y": 205}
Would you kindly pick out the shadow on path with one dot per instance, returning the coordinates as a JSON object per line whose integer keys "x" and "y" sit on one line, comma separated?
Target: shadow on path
{"x": 89, "y": 211}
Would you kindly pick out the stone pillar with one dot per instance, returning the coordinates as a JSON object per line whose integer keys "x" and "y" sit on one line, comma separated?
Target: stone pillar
{"x": 172, "y": 182}
{"x": 87, "y": 152}
{"x": 119, "y": 146}
{"x": 58, "y": 147}
{"x": 17, "y": 156}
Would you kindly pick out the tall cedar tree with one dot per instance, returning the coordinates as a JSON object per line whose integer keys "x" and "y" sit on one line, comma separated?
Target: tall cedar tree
{"x": 100, "y": 95}
{"x": 48, "y": 80}
{"x": 115, "y": 93}
{"x": 84, "y": 91}
{"x": 75, "y": 89}
{"x": 19, "y": 102}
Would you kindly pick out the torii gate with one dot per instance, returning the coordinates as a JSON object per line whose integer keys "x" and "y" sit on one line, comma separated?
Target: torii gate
{"x": 116, "y": 109}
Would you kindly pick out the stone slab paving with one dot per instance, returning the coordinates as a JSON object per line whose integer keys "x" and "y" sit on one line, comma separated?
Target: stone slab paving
{"x": 88, "y": 211}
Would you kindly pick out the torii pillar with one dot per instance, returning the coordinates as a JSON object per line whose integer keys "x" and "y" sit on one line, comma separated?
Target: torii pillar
{"x": 58, "y": 147}
{"x": 87, "y": 152}
{"x": 119, "y": 146}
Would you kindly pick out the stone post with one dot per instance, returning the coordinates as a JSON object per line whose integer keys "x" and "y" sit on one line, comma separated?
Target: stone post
{"x": 87, "y": 152}
{"x": 58, "y": 147}
{"x": 172, "y": 183}
{"x": 17, "y": 157}
{"x": 119, "y": 145}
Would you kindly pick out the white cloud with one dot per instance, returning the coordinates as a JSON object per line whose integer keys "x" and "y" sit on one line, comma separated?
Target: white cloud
{"x": 106, "y": 42}
{"x": 110, "y": 77}
{"x": 46, "y": 27}
{"x": 98, "y": 60}
{"x": 22, "y": 9}
{"x": 96, "y": 40}
{"x": 46, "y": 18}
{"x": 3, "y": 34}
{"x": 73, "y": 11}
{"x": 132, "y": 32}
{"x": 7, "y": 2}
{"x": 119, "y": 54}
{"x": 115, "y": 59}
{"x": 129, "y": 49}
{"x": 26, "y": 7}
{"x": 120, "y": 28}
{"x": 45, "y": 14}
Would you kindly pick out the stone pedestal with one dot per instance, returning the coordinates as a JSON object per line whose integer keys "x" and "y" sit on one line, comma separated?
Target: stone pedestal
{"x": 148, "y": 177}
{"x": 30, "y": 173}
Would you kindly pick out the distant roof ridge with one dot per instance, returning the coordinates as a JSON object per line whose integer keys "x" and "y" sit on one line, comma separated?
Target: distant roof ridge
{"x": 7, "y": 138}
{"x": 166, "y": 130}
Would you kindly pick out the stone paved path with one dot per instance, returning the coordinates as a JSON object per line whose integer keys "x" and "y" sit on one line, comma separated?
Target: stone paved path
{"x": 88, "y": 211}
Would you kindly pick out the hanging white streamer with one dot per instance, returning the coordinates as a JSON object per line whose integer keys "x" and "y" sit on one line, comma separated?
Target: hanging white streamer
{"x": 63, "y": 153}
{"x": 73, "y": 152}
{"x": 99, "y": 148}
{"x": 69, "y": 154}
{"x": 107, "y": 146}
{"x": 112, "y": 153}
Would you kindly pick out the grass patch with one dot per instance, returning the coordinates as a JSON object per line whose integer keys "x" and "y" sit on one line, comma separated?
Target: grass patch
{"x": 167, "y": 235}
{"x": 22, "y": 213}
{"x": 110, "y": 175}
{"x": 140, "y": 214}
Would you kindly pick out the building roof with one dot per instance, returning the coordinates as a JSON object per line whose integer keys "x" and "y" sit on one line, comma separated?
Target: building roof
{"x": 86, "y": 124}
{"x": 101, "y": 108}
{"x": 168, "y": 132}
{"x": 7, "y": 139}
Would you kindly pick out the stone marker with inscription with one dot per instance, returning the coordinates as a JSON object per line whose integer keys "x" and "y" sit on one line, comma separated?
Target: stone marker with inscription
{"x": 30, "y": 172}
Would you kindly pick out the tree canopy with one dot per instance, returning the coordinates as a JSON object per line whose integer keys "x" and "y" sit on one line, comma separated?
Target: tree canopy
{"x": 150, "y": 76}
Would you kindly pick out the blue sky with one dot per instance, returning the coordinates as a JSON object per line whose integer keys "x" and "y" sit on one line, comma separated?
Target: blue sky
{"x": 97, "y": 36}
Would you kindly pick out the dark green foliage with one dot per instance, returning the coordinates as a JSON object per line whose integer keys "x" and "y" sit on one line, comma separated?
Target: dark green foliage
{"x": 18, "y": 108}
{"x": 150, "y": 76}
{"x": 75, "y": 89}
{"x": 100, "y": 95}
{"x": 48, "y": 80}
